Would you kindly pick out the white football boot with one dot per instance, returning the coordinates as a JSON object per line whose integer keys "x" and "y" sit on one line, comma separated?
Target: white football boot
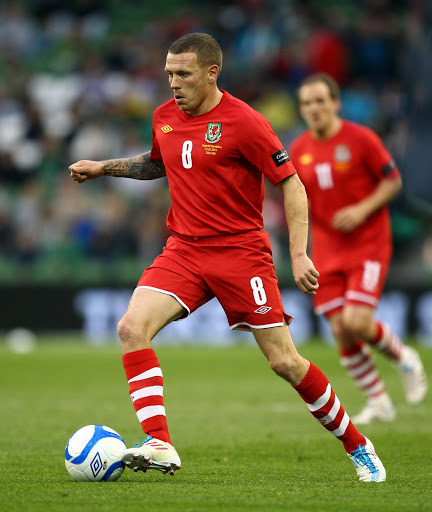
{"x": 413, "y": 376}
{"x": 152, "y": 454}
{"x": 367, "y": 463}
{"x": 376, "y": 409}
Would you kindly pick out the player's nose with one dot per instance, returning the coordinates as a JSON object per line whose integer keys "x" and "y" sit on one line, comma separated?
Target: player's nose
{"x": 174, "y": 83}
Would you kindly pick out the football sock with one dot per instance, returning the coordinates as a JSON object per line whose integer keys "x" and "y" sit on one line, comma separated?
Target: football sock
{"x": 323, "y": 403}
{"x": 387, "y": 342}
{"x": 359, "y": 364}
{"x": 145, "y": 380}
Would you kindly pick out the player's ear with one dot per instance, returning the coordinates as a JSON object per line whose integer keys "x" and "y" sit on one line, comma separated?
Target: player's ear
{"x": 213, "y": 73}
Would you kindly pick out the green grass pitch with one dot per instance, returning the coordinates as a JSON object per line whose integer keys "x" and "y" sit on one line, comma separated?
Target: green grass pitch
{"x": 247, "y": 441}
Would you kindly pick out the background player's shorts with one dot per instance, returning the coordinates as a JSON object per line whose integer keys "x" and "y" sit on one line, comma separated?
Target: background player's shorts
{"x": 237, "y": 269}
{"x": 359, "y": 282}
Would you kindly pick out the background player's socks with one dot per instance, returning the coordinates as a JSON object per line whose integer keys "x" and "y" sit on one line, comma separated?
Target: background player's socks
{"x": 387, "y": 342}
{"x": 359, "y": 364}
{"x": 146, "y": 391}
{"x": 323, "y": 403}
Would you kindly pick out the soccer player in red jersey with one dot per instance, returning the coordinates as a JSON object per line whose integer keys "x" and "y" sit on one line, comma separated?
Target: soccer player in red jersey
{"x": 350, "y": 178}
{"x": 215, "y": 151}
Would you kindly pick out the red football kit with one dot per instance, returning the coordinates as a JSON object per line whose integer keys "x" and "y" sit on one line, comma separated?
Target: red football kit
{"x": 215, "y": 165}
{"x": 338, "y": 172}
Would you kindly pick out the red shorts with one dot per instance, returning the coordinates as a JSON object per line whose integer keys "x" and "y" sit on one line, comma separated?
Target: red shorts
{"x": 360, "y": 282}
{"x": 237, "y": 269}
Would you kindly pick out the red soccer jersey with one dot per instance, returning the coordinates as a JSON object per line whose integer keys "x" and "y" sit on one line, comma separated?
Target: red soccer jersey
{"x": 338, "y": 172}
{"x": 215, "y": 165}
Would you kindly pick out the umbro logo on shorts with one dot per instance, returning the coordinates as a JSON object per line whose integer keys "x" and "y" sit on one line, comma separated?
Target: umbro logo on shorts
{"x": 262, "y": 310}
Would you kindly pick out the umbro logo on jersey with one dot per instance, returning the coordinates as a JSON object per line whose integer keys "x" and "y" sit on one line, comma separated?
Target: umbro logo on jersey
{"x": 263, "y": 310}
{"x": 167, "y": 128}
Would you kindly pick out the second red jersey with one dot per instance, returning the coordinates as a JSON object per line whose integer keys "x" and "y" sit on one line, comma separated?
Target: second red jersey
{"x": 215, "y": 164}
{"x": 338, "y": 172}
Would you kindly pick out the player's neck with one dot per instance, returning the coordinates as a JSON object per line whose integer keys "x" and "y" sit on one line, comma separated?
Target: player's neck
{"x": 330, "y": 130}
{"x": 211, "y": 101}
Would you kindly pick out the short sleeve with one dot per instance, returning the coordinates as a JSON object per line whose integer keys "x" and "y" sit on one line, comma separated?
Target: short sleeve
{"x": 259, "y": 144}
{"x": 377, "y": 158}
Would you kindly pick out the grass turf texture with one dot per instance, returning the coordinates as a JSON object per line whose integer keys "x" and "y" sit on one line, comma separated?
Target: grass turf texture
{"x": 247, "y": 441}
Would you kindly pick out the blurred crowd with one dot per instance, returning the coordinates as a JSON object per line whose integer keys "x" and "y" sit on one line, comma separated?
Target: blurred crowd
{"x": 81, "y": 79}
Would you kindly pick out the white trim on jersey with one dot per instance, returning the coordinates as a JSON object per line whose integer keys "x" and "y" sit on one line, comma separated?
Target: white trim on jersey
{"x": 168, "y": 293}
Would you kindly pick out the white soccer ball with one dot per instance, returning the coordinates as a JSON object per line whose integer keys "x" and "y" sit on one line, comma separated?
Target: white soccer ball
{"x": 93, "y": 454}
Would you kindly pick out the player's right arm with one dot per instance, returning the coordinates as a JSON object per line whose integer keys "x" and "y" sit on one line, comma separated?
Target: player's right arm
{"x": 140, "y": 167}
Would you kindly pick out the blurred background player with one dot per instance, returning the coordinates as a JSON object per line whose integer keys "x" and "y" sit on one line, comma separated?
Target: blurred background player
{"x": 215, "y": 150}
{"x": 350, "y": 178}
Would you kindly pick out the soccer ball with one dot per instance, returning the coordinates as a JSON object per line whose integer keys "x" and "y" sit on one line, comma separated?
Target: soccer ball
{"x": 93, "y": 454}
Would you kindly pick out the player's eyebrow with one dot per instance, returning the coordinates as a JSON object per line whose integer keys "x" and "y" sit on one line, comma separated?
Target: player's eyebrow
{"x": 177, "y": 71}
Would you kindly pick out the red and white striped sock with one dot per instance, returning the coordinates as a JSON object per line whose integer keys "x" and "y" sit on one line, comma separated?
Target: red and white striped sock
{"x": 323, "y": 403}
{"x": 146, "y": 391}
{"x": 387, "y": 342}
{"x": 360, "y": 366}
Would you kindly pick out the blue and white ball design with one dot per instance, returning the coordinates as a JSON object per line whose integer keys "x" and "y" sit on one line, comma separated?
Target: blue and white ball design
{"x": 93, "y": 454}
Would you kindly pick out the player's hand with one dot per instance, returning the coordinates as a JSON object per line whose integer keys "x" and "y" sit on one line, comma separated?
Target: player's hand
{"x": 305, "y": 275}
{"x": 86, "y": 170}
{"x": 348, "y": 218}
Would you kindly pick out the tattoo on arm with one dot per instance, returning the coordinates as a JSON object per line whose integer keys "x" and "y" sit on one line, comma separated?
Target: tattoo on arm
{"x": 138, "y": 168}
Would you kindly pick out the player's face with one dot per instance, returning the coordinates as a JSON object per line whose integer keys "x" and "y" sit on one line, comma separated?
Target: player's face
{"x": 317, "y": 107}
{"x": 189, "y": 81}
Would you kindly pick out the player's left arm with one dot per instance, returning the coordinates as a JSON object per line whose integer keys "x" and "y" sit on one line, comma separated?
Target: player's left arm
{"x": 348, "y": 218}
{"x": 380, "y": 163}
{"x": 296, "y": 212}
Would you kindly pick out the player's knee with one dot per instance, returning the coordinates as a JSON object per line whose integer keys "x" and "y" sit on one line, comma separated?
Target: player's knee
{"x": 357, "y": 327}
{"x": 284, "y": 367}
{"x": 131, "y": 333}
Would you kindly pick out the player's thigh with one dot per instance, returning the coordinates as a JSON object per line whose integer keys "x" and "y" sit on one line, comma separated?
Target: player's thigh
{"x": 148, "y": 312}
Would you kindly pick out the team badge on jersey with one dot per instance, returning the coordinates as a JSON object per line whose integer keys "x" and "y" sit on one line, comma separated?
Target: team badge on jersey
{"x": 214, "y": 132}
{"x": 342, "y": 153}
